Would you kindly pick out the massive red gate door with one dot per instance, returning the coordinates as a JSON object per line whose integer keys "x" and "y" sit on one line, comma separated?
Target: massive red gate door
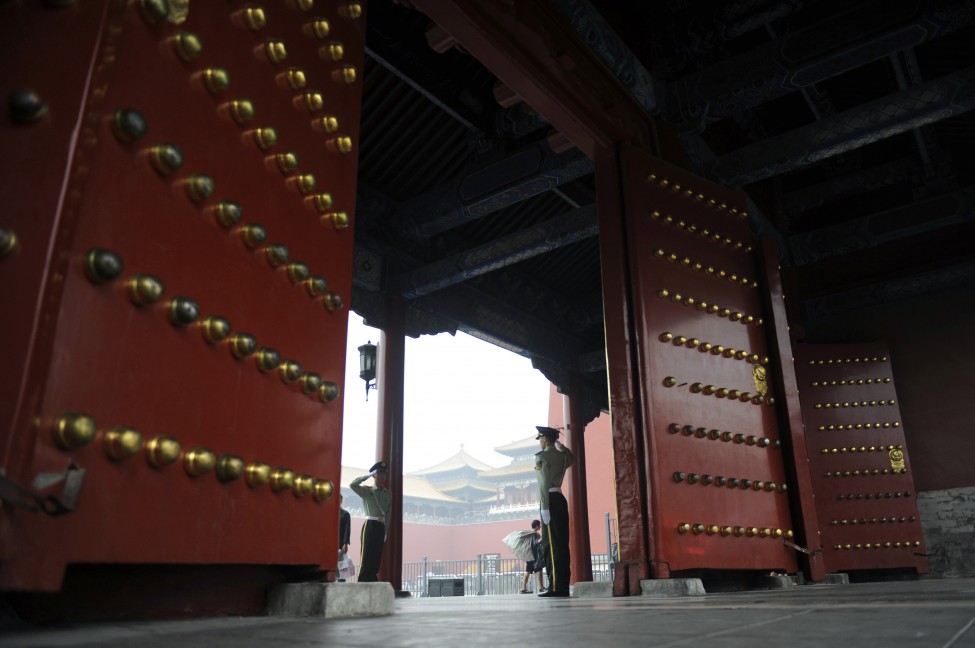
{"x": 184, "y": 206}
{"x": 717, "y": 490}
{"x": 865, "y": 496}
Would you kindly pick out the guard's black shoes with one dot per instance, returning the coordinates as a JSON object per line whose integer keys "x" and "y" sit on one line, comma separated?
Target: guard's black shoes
{"x": 553, "y": 594}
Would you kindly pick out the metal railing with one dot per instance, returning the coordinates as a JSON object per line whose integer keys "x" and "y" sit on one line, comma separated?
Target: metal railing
{"x": 486, "y": 575}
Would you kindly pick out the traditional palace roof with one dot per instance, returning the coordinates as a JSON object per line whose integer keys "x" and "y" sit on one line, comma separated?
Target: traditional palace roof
{"x": 413, "y": 487}
{"x": 525, "y": 446}
{"x": 462, "y": 479}
{"x": 458, "y": 462}
{"x": 519, "y": 468}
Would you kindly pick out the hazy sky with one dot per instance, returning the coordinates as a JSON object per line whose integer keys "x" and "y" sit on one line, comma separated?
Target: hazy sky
{"x": 459, "y": 390}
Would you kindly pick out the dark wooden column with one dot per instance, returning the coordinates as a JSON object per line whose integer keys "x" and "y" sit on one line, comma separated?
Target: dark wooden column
{"x": 579, "y": 545}
{"x": 389, "y": 433}
{"x": 629, "y": 458}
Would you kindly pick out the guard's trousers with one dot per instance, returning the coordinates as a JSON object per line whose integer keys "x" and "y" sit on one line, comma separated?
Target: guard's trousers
{"x": 555, "y": 535}
{"x": 371, "y": 550}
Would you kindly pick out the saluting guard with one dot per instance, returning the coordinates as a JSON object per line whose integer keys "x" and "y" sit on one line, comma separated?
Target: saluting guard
{"x": 376, "y": 503}
{"x": 550, "y": 466}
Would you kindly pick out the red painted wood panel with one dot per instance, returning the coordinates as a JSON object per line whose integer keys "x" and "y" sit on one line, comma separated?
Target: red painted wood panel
{"x": 702, "y": 349}
{"x": 866, "y": 500}
{"x": 124, "y": 364}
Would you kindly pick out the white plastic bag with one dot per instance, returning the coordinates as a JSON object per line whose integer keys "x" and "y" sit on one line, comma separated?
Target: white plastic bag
{"x": 346, "y": 568}
{"x": 520, "y": 544}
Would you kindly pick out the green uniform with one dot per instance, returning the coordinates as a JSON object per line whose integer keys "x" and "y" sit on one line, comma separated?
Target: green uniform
{"x": 550, "y": 467}
{"x": 376, "y": 502}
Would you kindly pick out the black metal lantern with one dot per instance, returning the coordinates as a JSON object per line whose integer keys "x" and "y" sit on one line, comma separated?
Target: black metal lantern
{"x": 367, "y": 365}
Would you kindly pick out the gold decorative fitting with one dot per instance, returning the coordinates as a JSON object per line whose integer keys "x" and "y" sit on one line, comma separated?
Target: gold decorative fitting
{"x": 303, "y": 485}
{"x": 760, "y": 378}
{"x": 676, "y": 298}
{"x": 166, "y": 158}
{"x": 129, "y": 125}
{"x": 323, "y": 489}
{"x": 680, "y": 340}
{"x": 313, "y": 101}
{"x": 310, "y": 382}
{"x": 320, "y": 28}
{"x": 267, "y": 359}
{"x": 162, "y": 450}
{"x": 199, "y": 187}
{"x": 145, "y": 289}
{"x": 282, "y": 479}
{"x": 697, "y": 529}
{"x": 341, "y": 144}
{"x": 227, "y": 213}
{"x": 290, "y": 371}
{"x": 8, "y": 241}
{"x": 683, "y": 527}
{"x": 254, "y": 18}
{"x": 257, "y": 474}
{"x": 73, "y": 429}
{"x": 297, "y": 272}
{"x": 253, "y": 235}
{"x": 101, "y": 265}
{"x": 242, "y": 345}
{"x": 275, "y": 51}
{"x": 198, "y": 461}
{"x": 333, "y": 51}
{"x": 338, "y": 220}
{"x": 242, "y": 111}
{"x": 216, "y": 80}
{"x": 229, "y": 467}
{"x": 215, "y": 329}
{"x": 294, "y": 78}
{"x": 154, "y": 11}
{"x": 663, "y": 293}
{"x": 332, "y": 301}
{"x": 351, "y": 10}
{"x": 264, "y": 138}
{"x": 316, "y": 286}
{"x": 305, "y": 5}
{"x": 276, "y": 254}
{"x": 670, "y": 381}
{"x": 183, "y": 311}
{"x": 726, "y": 530}
{"x": 287, "y": 163}
{"x": 187, "y": 46}
{"x": 713, "y": 529}
{"x": 327, "y": 124}
{"x": 328, "y": 391}
{"x": 303, "y": 182}
{"x": 121, "y": 442}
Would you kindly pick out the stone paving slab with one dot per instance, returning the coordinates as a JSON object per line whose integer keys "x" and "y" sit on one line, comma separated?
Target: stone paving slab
{"x": 911, "y": 614}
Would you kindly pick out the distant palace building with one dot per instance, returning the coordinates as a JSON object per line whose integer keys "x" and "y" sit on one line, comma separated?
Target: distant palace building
{"x": 463, "y": 489}
{"x": 462, "y": 506}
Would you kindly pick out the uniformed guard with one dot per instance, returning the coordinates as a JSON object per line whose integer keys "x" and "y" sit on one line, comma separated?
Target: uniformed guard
{"x": 550, "y": 466}
{"x": 376, "y": 503}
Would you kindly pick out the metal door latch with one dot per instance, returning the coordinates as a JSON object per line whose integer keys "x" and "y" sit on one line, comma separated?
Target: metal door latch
{"x": 36, "y": 501}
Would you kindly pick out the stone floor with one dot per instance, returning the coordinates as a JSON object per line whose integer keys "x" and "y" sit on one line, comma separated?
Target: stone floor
{"x": 901, "y": 614}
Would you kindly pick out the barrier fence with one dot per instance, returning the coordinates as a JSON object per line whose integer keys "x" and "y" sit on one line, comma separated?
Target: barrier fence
{"x": 486, "y": 575}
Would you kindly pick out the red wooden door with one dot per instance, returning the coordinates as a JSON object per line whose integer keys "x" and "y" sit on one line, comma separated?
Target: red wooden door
{"x": 717, "y": 490}
{"x": 861, "y": 472}
{"x": 180, "y": 282}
